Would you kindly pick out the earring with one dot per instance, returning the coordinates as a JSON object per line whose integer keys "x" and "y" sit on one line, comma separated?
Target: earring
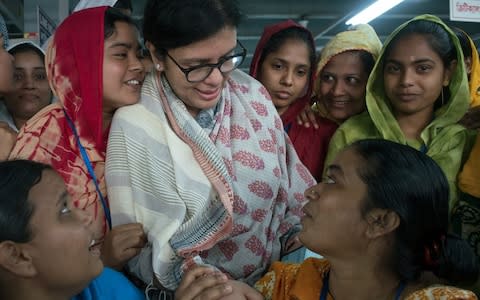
{"x": 442, "y": 97}
{"x": 157, "y": 66}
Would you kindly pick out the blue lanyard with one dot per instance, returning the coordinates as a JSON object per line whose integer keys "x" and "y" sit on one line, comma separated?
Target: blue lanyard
{"x": 326, "y": 288}
{"x": 88, "y": 164}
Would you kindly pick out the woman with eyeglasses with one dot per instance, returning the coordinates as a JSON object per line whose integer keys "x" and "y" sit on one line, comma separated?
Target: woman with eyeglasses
{"x": 202, "y": 161}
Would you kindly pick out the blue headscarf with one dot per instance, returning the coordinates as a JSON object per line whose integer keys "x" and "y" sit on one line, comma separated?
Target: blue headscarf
{"x": 4, "y": 31}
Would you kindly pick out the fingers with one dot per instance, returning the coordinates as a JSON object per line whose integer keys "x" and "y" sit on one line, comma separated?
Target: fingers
{"x": 195, "y": 273}
{"x": 203, "y": 283}
{"x": 471, "y": 120}
{"x": 312, "y": 117}
{"x": 122, "y": 243}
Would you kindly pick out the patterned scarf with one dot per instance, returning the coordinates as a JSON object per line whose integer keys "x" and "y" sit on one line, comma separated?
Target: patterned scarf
{"x": 74, "y": 67}
{"x": 231, "y": 199}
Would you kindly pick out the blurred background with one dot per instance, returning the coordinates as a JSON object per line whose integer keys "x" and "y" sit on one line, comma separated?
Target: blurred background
{"x": 324, "y": 18}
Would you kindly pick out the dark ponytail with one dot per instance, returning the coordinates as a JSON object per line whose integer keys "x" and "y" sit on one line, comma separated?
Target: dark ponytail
{"x": 457, "y": 263}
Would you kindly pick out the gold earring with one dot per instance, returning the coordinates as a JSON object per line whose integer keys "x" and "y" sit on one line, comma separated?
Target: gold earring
{"x": 442, "y": 97}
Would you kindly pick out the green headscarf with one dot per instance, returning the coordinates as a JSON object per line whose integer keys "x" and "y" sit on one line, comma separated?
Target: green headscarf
{"x": 443, "y": 139}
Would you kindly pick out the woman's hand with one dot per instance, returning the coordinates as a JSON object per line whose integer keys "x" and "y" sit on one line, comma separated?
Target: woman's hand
{"x": 203, "y": 283}
{"x": 471, "y": 119}
{"x": 8, "y": 137}
{"x": 122, "y": 243}
{"x": 242, "y": 291}
{"x": 307, "y": 116}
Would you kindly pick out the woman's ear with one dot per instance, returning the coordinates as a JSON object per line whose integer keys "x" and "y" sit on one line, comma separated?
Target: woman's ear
{"x": 381, "y": 222}
{"x": 157, "y": 63}
{"x": 449, "y": 70}
{"x": 15, "y": 259}
{"x": 468, "y": 64}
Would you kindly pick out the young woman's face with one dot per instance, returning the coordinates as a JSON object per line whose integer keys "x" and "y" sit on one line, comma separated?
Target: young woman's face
{"x": 32, "y": 91}
{"x": 206, "y": 93}
{"x": 6, "y": 72}
{"x": 61, "y": 248}
{"x": 333, "y": 221}
{"x": 123, "y": 72}
{"x": 285, "y": 73}
{"x": 414, "y": 76}
{"x": 343, "y": 81}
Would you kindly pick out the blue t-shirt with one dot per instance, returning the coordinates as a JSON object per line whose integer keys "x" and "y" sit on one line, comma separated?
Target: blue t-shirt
{"x": 111, "y": 285}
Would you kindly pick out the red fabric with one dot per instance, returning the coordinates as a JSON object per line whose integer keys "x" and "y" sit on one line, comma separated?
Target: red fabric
{"x": 311, "y": 144}
{"x": 76, "y": 55}
{"x": 74, "y": 63}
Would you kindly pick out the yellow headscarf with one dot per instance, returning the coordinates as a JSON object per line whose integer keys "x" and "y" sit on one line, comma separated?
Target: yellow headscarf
{"x": 469, "y": 178}
{"x": 361, "y": 37}
{"x": 474, "y": 77}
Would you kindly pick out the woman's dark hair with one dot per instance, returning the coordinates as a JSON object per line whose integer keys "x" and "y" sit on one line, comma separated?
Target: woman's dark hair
{"x": 172, "y": 24}
{"x": 17, "y": 177}
{"x": 464, "y": 41}
{"x": 124, "y": 4}
{"x": 439, "y": 40}
{"x": 367, "y": 59}
{"x": 409, "y": 183}
{"x": 278, "y": 39}
{"x": 113, "y": 15}
{"x": 27, "y": 47}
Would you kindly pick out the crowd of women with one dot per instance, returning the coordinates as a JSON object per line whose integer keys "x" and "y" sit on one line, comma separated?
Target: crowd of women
{"x": 186, "y": 178}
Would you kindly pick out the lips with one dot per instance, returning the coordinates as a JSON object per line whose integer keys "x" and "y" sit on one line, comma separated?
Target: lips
{"x": 306, "y": 214}
{"x": 28, "y": 96}
{"x": 95, "y": 247}
{"x": 406, "y": 97}
{"x": 135, "y": 83}
{"x": 283, "y": 95}
{"x": 339, "y": 103}
{"x": 209, "y": 95}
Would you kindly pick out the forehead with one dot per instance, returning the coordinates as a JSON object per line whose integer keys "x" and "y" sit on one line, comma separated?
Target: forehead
{"x": 214, "y": 46}
{"x": 345, "y": 62}
{"x": 294, "y": 49}
{"x": 350, "y": 162}
{"x": 411, "y": 47}
{"x": 28, "y": 55}
{"x": 124, "y": 32}
{"x": 45, "y": 194}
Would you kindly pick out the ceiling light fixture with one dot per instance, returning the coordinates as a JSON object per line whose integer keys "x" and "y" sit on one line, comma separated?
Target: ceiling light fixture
{"x": 373, "y": 11}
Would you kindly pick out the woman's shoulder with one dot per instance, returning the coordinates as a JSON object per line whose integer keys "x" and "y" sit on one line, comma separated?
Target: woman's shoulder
{"x": 358, "y": 127}
{"x": 48, "y": 114}
{"x": 443, "y": 292}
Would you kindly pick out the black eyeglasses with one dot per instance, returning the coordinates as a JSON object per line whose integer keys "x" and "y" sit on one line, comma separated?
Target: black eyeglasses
{"x": 225, "y": 64}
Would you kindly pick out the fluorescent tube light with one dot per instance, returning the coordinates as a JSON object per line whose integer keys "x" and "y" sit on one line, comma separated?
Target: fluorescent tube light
{"x": 373, "y": 11}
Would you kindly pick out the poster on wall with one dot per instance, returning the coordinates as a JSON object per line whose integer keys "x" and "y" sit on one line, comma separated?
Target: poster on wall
{"x": 46, "y": 26}
{"x": 465, "y": 10}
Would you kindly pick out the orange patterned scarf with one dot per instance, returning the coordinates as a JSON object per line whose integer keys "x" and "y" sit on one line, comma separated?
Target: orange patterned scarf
{"x": 74, "y": 64}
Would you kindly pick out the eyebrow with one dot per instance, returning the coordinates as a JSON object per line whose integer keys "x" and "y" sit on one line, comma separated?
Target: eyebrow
{"x": 335, "y": 169}
{"x": 121, "y": 44}
{"x": 203, "y": 60}
{"x": 418, "y": 61}
{"x": 63, "y": 197}
{"x": 287, "y": 62}
{"x": 34, "y": 68}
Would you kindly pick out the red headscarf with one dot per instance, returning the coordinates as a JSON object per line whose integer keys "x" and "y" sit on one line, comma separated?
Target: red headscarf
{"x": 74, "y": 63}
{"x": 311, "y": 144}
{"x": 296, "y": 107}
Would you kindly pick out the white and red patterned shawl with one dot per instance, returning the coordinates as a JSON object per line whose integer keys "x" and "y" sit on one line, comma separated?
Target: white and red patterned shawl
{"x": 230, "y": 199}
